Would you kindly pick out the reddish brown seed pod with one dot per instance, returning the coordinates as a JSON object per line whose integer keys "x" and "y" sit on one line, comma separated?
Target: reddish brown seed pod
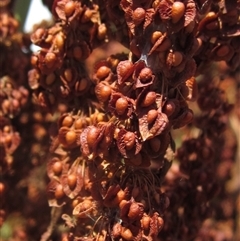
{"x": 70, "y": 137}
{"x": 169, "y": 108}
{"x": 103, "y": 92}
{"x": 83, "y": 209}
{"x": 155, "y": 36}
{"x": 178, "y": 10}
{"x": 92, "y": 135}
{"x": 138, "y": 16}
{"x": 126, "y": 234}
{"x": 149, "y": 99}
{"x": 151, "y": 116}
{"x": 50, "y": 59}
{"x": 145, "y": 75}
{"x": 121, "y": 105}
{"x": 68, "y": 74}
{"x": 59, "y": 193}
{"x": 103, "y": 72}
{"x": 145, "y": 222}
{"x": 136, "y": 211}
{"x": 67, "y": 121}
{"x": 69, "y": 8}
{"x": 175, "y": 58}
{"x": 57, "y": 168}
{"x": 129, "y": 140}
{"x": 71, "y": 181}
{"x": 81, "y": 85}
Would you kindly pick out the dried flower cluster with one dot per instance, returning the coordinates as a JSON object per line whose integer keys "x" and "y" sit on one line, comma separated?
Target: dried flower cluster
{"x": 110, "y": 165}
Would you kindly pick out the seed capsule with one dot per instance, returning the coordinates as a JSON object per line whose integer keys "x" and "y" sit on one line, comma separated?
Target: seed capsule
{"x": 223, "y": 51}
{"x": 67, "y": 121}
{"x": 50, "y": 79}
{"x": 149, "y": 99}
{"x": 72, "y": 181}
{"x": 69, "y": 8}
{"x": 121, "y": 105}
{"x": 129, "y": 140}
{"x": 145, "y": 222}
{"x": 178, "y": 10}
{"x": 126, "y": 234}
{"x": 57, "y": 168}
{"x": 151, "y": 116}
{"x": 70, "y": 137}
{"x": 145, "y": 74}
{"x": 138, "y": 15}
{"x": 92, "y": 135}
{"x": 103, "y": 72}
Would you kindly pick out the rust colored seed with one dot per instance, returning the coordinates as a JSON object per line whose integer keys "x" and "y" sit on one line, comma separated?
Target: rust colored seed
{"x": 59, "y": 193}
{"x": 177, "y": 58}
{"x": 126, "y": 234}
{"x": 50, "y": 79}
{"x": 82, "y": 85}
{"x": 103, "y": 72}
{"x": 145, "y": 74}
{"x": 169, "y": 108}
{"x": 50, "y": 59}
{"x": 223, "y": 51}
{"x": 145, "y": 222}
{"x": 178, "y": 10}
{"x": 129, "y": 140}
{"x": 70, "y": 137}
{"x": 72, "y": 181}
{"x": 57, "y": 168}
{"x": 121, "y": 105}
{"x": 155, "y": 144}
{"x": 69, "y": 8}
{"x": 155, "y": 36}
{"x": 59, "y": 41}
{"x": 149, "y": 99}
{"x": 68, "y": 74}
{"x": 103, "y": 92}
{"x": 67, "y": 121}
{"x": 92, "y": 135}
{"x": 138, "y": 15}
{"x": 151, "y": 116}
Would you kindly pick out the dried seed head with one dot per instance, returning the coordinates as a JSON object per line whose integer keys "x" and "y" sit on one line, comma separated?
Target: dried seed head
{"x": 145, "y": 75}
{"x": 138, "y": 15}
{"x": 178, "y": 10}
{"x": 121, "y": 105}
{"x": 149, "y": 99}
{"x": 129, "y": 140}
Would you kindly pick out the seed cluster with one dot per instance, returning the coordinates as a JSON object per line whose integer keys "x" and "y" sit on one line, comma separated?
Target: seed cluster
{"x": 105, "y": 133}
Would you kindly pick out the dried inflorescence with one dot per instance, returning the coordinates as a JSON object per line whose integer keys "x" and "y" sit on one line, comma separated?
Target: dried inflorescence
{"x": 112, "y": 141}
